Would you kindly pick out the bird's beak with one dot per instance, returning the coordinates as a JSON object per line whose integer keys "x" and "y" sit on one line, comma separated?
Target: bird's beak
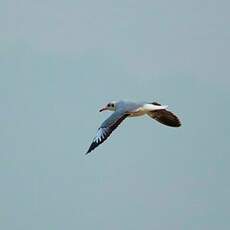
{"x": 103, "y": 109}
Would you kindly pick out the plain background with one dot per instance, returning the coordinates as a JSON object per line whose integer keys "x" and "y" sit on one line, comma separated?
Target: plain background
{"x": 61, "y": 61}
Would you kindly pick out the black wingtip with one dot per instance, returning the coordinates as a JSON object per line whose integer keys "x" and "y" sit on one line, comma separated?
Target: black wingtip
{"x": 170, "y": 119}
{"x": 88, "y": 152}
{"x": 178, "y": 124}
{"x": 165, "y": 117}
{"x": 155, "y": 103}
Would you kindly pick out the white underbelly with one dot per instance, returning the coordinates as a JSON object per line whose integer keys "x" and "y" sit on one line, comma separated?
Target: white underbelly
{"x": 137, "y": 113}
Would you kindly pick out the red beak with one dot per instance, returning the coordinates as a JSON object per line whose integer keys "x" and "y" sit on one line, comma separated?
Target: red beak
{"x": 102, "y": 109}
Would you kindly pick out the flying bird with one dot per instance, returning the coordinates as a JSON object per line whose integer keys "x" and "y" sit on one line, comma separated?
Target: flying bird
{"x": 124, "y": 109}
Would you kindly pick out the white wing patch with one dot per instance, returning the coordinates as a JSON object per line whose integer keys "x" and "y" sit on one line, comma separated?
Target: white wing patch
{"x": 101, "y": 134}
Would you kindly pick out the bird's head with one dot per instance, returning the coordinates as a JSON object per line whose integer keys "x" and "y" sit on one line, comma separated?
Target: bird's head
{"x": 111, "y": 106}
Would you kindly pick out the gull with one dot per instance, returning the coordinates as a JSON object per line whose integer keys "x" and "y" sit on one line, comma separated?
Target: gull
{"x": 125, "y": 109}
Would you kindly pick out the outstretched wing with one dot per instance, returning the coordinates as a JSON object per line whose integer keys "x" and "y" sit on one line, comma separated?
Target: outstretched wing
{"x": 107, "y": 128}
{"x": 165, "y": 117}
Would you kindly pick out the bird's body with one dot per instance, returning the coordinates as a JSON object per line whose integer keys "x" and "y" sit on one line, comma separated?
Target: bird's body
{"x": 143, "y": 108}
{"x": 124, "y": 109}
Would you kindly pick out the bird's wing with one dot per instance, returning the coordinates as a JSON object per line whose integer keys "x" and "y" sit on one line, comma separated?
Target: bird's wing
{"x": 165, "y": 117}
{"x": 107, "y": 128}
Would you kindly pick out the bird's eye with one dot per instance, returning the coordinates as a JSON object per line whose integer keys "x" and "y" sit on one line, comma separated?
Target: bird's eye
{"x": 108, "y": 105}
{"x": 112, "y": 105}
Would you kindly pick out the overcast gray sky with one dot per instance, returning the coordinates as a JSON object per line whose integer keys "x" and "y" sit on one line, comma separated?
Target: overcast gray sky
{"x": 60, "y": 61}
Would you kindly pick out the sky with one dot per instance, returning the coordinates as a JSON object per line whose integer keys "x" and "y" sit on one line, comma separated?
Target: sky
{"x": 61, "y": 61}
